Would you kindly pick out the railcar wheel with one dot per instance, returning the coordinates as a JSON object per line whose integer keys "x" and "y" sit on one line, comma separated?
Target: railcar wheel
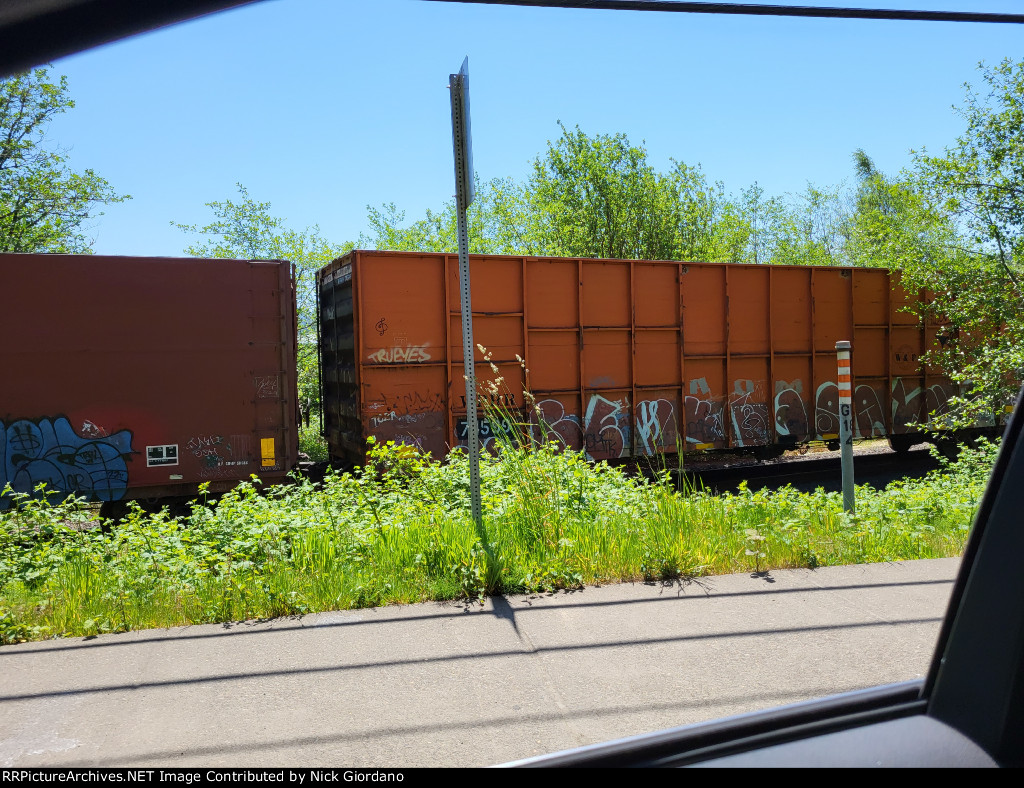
{"x": 900, "y": 443}
{"x": 948, "y": 447}
{"x": 112, "y": 512}
{"x": 770, "y": 452}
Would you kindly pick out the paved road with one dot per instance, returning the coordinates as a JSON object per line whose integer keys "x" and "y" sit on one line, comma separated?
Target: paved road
{"x": 451, "y": 685}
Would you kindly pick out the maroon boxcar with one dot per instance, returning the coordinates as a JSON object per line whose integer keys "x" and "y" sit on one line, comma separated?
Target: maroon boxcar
{"x": 140, "y": 378}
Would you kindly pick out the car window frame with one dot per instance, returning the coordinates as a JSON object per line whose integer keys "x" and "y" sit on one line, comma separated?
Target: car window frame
{"x": 975, "y": 686}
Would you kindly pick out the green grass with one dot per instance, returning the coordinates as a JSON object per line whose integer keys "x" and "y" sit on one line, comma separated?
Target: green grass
{"x": 398, "y": 532}
{"x": 312, "y": 443}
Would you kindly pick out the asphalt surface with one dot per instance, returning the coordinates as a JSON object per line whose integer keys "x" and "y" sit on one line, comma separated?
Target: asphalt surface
{"x": 468, "y": 685}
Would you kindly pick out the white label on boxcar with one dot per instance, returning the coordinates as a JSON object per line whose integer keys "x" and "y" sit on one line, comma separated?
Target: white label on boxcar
{"x": 162, "y": 455}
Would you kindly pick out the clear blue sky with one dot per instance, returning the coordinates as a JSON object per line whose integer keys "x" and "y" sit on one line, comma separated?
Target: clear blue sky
{"x": 322, "y": 107}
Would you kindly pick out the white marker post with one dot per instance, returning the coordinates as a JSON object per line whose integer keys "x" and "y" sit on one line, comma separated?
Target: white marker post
{"x": 462, "y": 144}
{"x": 846, "y": 422}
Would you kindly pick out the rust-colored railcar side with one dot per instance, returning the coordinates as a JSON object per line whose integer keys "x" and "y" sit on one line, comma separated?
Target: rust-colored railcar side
{"x": 128, "y": 377}
{"x": 623, "y": 357}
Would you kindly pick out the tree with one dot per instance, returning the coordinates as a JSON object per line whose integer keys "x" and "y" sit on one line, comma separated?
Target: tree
{"x": 699, "y": 208}
{"x": 979, "y": 184}
{"x": 892, "y": 224}
{"x": 585, "y": 197}
{"x": 43, "y": 203}
{"x": 438, "y": 231}
{"x": 981, "y": 179}
{"x": 246, "y": 229}
{"x": 598, "y": 197}
{"x": 755, "y": 229}
{"x": 818, "y": 229}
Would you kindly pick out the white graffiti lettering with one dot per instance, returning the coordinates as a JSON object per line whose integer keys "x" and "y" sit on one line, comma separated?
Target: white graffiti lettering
{"x": 550, "y": 422}
{"x": 703, "y": 414}
{"x": 606, "y": 428}
{"x": 790, "y": 410}
{"x": 412, "y": 354}
{"x": 655, "y": 424}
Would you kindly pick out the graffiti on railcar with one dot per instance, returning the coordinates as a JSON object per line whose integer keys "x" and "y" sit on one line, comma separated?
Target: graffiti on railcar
{"x": 400, "y": 354}
{"x": 267, "y": 386}
{"x": 212, "y": 452}
{"x": 409, "y": 402}
{"x": 550, "y": 422}
{"x": 206, "y": 445}
{"x": 221, "y": 456}
{"x": 867, "y": 402}
{"x": 385, "y": 418}
{"x": 826, "y": 410}
{"x": 870, "y": 421}
{"x": 749, "y": 413}
{"x": 906, "y": 404}
{"x": 703, "y": 414}
{"x": 90, "y": 430}
{"x": 501, "y": 400}
{"x": 422, "y": 431}
{"x": 409, "y": 418}
{"x": 49, "y": 451}
{"x": 908, "y": 408}
{"x": 490, "y": 430}
{"x": 655, "y": 425}
{"x": 790, "y": 411}
{"x": 936, "y": 398}
{"x": 606, "y": 429}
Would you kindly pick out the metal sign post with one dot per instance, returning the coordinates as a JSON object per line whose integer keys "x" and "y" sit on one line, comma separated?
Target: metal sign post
{"x": 846, "y": 422}
{"x": 462, "y": 144}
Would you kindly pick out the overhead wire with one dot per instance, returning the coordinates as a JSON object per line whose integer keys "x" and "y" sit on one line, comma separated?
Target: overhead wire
{"x": 754, "y": 9}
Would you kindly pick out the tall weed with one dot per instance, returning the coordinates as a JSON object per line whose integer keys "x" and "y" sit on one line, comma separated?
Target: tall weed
{"x": 398, "y": 530}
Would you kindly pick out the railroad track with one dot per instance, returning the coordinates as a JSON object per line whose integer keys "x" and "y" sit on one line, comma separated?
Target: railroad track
{"x": 874, "y": 467}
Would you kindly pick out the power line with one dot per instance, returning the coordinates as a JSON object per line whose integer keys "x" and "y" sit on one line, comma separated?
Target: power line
{"x": 750, "y": 9}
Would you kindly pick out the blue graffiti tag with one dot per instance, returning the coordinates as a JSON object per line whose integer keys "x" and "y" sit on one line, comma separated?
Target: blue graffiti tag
{"x": 52, "y": 453}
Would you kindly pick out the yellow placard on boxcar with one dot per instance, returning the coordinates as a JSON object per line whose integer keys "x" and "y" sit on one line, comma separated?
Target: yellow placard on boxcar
{"x": 268, "y": 452}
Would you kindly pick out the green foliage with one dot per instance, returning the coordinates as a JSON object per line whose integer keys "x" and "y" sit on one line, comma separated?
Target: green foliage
{"x": 246, "y": 229}
{"x": 979, "y": 184}
{"x": 952, "y": 227}
{"x": 398, "y": 530}
{"x": 819, "y": 230}
{"x": 438, "y": 231}
{"x": 892, "y": 223}
{"x": 312, "y": 443}
{"x": 597, "y": 196}
{"x": 979, "y": 179}
{"x": 757, "y": 229}
{"x": 44, "y": 204}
